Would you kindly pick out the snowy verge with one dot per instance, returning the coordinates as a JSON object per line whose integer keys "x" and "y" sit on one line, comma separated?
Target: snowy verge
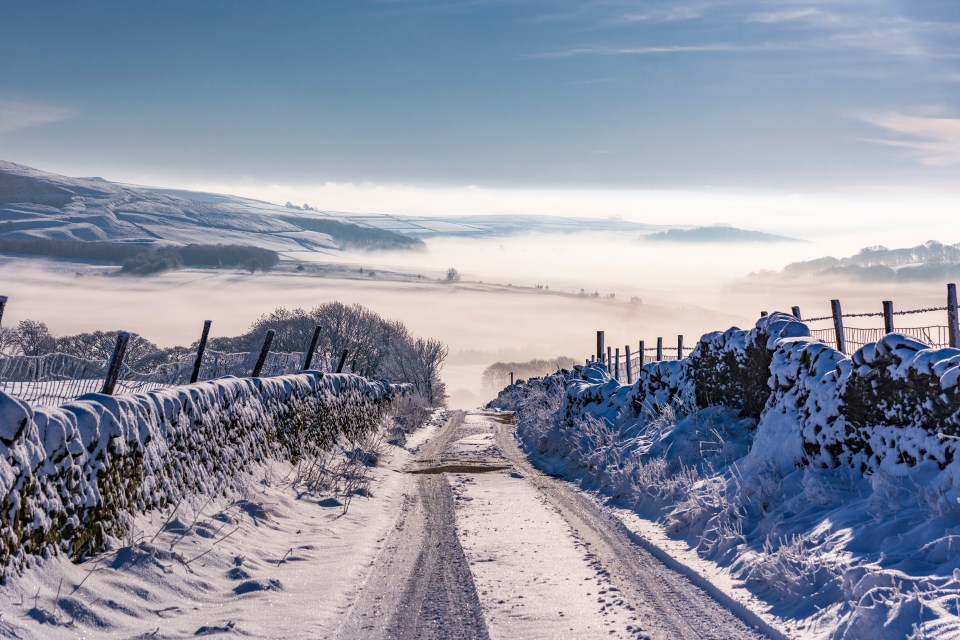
{"x": 269, "y": 560}
{"x": 72, "y": 476}
{"x": 836, "y": 504}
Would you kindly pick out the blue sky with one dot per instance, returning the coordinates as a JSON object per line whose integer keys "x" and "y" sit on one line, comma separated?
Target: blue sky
{"x": 518, "y": 94}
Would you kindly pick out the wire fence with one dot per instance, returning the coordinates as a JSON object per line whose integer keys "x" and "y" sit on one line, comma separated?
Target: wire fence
{"x": 856, "y": 337}
{"x": 55, "y": 378}
{"x": 853, "y": 338}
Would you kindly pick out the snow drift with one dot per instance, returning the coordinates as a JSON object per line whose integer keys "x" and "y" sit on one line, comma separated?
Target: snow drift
{"x": 70, "y": 476}
{"x": 827, "y": 485}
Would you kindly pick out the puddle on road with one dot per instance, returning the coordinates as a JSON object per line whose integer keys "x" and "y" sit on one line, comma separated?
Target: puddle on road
{"x": 505, "y": 417}
{"x": 461, "y": 468}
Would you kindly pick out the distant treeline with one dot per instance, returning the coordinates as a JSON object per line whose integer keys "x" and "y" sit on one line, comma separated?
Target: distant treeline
{"x": 497, "y": 375}
{"x": 932, "y": 260}
{"x": 353, "y": 236}
{"x": 139, "y": 259}
{"x": 717, "y": 234}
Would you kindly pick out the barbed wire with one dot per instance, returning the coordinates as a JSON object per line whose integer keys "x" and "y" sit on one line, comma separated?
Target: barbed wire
{"x": 876, "y": 314}
{"x": 927, "y": 310}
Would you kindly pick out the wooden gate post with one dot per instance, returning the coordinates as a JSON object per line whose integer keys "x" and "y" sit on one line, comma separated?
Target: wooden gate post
{"x": 629, "y": 365}
{"x": 264, "y": 350}
{"x": 343, "y": 360}
{"x": 204, "y": 335}
{"x": 600, "y": 348}
{"x": 888, "y": 316}
{"x": 838, "y": 326}
{"x": 116, "y": 363}
{"x": 308, "y": 359}
{"x": 659, "y": 349}
{"x": 953, "y": 316}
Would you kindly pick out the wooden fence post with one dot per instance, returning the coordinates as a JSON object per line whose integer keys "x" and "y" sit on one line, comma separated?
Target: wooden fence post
{"x": 659, "y": 349}
{"x": 888, "y": 316}
{"x": 616, "y": 364}
{"x": 953, "y": 316}
{"x": 3, "y": 305}
{"x": 629, "y": 365}
{"x": 343, "y": 360}
{"x": 838, "y": 326}
{"x": 600, "y": 348}
{"x": 200, "y": 349}
{"x": 643, "y": 354}
{"x": 796, "y": 313}
{"x": 763, "y": 314}
{"x": 609, "y": 358}
{"x": 308, "y": 359}
{"x": 264, "y": 350}
{"x": 511, "y": 378}
{"x": 116, "y": 363}
{"x": 680, "y": 347}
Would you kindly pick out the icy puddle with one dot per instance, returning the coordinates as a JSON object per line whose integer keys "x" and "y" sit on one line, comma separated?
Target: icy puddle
{"x": 534, "y": 579}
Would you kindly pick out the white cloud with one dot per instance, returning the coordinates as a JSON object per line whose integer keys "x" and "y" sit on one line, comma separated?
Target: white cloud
{"x": 672, "y": 14}
{"x": 15, "y": 116}
{"x": 926, "y": 136}
{"x": 718, "y": 47}
{"x": 808, "y": 14}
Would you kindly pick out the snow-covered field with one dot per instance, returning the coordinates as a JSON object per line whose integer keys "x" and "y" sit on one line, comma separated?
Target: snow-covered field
{"x": 833, "y": 509}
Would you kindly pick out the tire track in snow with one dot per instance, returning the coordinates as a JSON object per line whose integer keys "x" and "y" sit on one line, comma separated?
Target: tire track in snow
{"x": 668, "y": 604}
{"x": 420, "y": 585}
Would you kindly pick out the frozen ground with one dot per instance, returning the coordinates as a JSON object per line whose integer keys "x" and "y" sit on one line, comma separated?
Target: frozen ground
{"x": 486, "y": 546}
{"x": 457, "y": 537}
{"x": 269, "y": 563}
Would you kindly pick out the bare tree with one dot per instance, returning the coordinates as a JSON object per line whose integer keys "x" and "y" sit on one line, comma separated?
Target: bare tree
{"x": 34, "y": 338}
{"x": 8, "y": 341}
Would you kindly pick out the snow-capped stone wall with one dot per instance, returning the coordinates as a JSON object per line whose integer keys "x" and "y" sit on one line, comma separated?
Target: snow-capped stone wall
{"x": 70, "y": 474}
{"x": 732, "y": 368}
{"x": 893, "y": 402}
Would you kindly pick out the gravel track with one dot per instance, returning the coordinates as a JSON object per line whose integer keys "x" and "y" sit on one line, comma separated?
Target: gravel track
{"x": 421, "y": 585}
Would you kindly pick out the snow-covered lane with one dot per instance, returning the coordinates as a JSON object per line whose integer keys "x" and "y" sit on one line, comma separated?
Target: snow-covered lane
{"x": 548, "y": 562}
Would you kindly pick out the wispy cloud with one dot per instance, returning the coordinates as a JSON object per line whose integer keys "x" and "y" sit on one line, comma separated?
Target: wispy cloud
{"x": 807, "y": 15}
{"x": 717, "y": 47}
{"x": 15, "y": 116}
{"x": 671, "y": 14}
{"x": 925, "y": 136}
{"x": 802, "y": 26}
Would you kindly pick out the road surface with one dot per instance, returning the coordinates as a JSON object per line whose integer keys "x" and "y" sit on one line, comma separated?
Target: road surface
{"x": 486, "y": 546}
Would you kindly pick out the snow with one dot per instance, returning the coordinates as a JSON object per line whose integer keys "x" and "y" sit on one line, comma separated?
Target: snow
{"x": 71, "y": 475}
{"x": 829, "y": 503}
{"x": 275, "y": 563}
{"x": 528, "y": 587}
